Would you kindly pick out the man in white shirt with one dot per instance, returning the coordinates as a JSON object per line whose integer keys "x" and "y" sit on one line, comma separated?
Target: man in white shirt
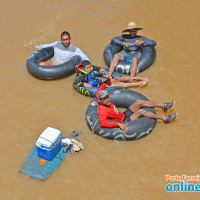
{"x": 63, "y": 50}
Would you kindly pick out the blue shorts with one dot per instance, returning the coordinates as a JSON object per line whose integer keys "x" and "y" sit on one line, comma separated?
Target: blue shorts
{"x": 128, "y": 58}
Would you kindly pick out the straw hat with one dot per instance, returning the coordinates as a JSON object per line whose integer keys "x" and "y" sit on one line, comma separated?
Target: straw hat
{"x": 132, "y": 25}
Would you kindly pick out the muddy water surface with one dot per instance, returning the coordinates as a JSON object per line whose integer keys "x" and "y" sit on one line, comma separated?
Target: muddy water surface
{"x": 105, "y": 169}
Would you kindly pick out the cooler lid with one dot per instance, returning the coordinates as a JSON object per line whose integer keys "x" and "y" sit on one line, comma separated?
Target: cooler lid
{"x": 48, "y": 138}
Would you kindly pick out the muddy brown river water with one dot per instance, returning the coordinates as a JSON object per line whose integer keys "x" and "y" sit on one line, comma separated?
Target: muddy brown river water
{"x": 105, "y": 169}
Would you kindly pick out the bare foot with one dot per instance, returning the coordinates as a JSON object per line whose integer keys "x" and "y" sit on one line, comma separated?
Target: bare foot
{"x": 143, "y": 83}
{"x": 131, "y": 80}
{"x": 107, "y": 76}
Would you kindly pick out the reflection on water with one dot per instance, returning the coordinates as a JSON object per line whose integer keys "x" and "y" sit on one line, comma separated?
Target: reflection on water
{"x": 105, "y": 169}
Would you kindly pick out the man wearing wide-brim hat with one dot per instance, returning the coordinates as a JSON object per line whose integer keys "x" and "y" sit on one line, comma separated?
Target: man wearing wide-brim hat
{"x": 131, "y": 43}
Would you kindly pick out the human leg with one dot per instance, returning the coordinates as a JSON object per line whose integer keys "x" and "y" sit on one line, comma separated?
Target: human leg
{"x": 134, "y": 66}
{"x": 141, "y": 112}
{"x": 119, "y": 79}
{"x": 113, "y": 65}
{"x": 140, "y": 103}
{"x": 117, "y": 82}
{"x": 166, "y": 119}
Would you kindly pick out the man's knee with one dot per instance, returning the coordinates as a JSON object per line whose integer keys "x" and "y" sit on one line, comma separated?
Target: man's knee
{"x": 117, "y": 57}
{"x": 141, "y": 112}
{"x": 134, "y": 60}
{"x": 139, "y": 102}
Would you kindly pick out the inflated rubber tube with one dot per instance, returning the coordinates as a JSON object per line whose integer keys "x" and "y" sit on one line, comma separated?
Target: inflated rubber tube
{"x": 50, "y": 72}
{"x": 124, "y": 99}
{"x": 90, "y": 92}
{"x": 148, "y": 55}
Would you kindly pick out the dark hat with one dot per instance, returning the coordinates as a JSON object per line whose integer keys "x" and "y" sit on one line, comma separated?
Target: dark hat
{"x": 102, "y": 93}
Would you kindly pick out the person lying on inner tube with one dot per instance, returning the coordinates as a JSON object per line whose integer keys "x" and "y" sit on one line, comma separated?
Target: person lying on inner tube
{"x": 107, "y": 110}
{"x": 131, "y": 43}
{"x": 88, "y": 77}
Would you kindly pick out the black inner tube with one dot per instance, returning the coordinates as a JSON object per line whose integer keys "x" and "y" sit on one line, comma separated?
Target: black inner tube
{"x": 50, "y": 72}
{"x": 148, "y": 55}
{"x": 124, "y": 99}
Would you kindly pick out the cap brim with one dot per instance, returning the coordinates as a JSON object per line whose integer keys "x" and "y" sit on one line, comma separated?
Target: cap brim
{"x": 104, "y": 96}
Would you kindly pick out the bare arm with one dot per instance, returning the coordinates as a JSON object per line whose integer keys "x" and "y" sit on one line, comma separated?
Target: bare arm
{"x": 81, "y": 54}
{"x": 42, "y": 46}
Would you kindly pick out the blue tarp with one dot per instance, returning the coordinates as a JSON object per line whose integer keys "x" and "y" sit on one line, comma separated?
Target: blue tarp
{"x": 39, "y": 168}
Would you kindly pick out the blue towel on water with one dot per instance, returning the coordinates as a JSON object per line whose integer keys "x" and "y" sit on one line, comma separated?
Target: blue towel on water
{"x": 39, "y": 168}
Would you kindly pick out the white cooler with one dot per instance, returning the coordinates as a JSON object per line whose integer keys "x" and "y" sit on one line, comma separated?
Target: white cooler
{"x": 49, "y": 143}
